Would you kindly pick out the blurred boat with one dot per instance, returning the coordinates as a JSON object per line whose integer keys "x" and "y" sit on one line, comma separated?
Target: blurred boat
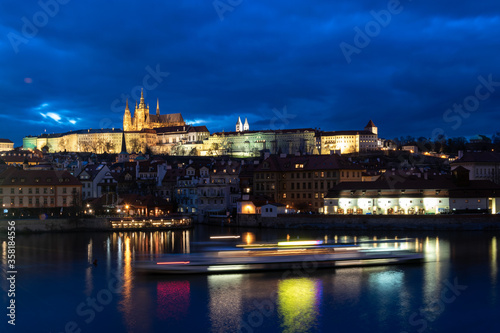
{"x": 282, "y": 256}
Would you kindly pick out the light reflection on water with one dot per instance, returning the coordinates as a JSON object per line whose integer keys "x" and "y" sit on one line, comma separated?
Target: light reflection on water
{"x": 299, "y": 304}
{"x": 301, "y": 301}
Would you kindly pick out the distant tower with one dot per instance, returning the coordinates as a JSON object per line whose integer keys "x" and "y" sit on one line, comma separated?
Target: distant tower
{"x": 246, "y": 127}
{"x": 239, "y": 125}
{"x": 123, "y": 156}
{"x": 127, "y": 119}
{"x": 158, "y": 107}
{"x": 371, "y": 127}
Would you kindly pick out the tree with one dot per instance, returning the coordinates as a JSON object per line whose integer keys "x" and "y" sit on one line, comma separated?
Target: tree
{"x": 63, "y": 142}
{"x": 135, "y": 146}
{"x": 109, "y": 146}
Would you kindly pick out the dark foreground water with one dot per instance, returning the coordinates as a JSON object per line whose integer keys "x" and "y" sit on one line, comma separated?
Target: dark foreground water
{"x": 59, "y": 290}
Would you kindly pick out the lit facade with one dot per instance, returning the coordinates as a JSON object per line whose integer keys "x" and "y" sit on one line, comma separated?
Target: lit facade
{"x": 412, "y": 195}
{"x": 23, "y": 189}
{"x": 6, "y": 145}
{"x": 347, "y": 142}
{"x": 142, "y": 119}
{"x": 250, "y": 143}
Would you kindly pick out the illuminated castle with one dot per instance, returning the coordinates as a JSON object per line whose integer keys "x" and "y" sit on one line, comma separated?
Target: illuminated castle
{"x": 143, "y": 120}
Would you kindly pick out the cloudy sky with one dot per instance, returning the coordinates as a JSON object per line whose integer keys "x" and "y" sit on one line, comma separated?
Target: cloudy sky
{"x": 418, "y": 68}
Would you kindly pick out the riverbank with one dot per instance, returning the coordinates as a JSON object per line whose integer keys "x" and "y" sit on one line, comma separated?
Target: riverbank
{"x": 73, "y": 224}
{"x": 374, "y": 222}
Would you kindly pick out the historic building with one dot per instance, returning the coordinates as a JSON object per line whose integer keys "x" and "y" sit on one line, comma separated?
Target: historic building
{"x": 350, "y": 141}
{"x": 398, "y": 193}
{"x": 142, "y": 119}
{"x": 46, "y": 189}
{"x": 181, "y": 140}
{"x": 300, "y": 182}
{"x": 6, "y": 145}
{"x": 242, "y": 127}
{"x": 251, "y": 143}
{"x": 484, "y": 165}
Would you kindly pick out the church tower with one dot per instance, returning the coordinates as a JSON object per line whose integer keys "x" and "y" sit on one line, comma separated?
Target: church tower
{"x": 246, "y": 127}
{"x": 371, "y": 127}
{"x": 239, "y": 125}
{"x": 158, "y": 107}
{"x": 127, "y": 119}
{"x": 140, "y": 113}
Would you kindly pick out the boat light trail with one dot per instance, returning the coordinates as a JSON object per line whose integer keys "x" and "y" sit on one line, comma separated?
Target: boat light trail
{"x": 316, "y": 242}
{"x": 172, "y": 263}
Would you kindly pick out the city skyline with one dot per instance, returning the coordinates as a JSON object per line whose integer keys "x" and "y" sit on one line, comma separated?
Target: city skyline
{"x": 405, "y": 65}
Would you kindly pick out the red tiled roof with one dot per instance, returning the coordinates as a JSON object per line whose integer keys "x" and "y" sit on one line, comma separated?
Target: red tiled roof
{"x": 309, "y": 162}
{"x": 18, "y": 177}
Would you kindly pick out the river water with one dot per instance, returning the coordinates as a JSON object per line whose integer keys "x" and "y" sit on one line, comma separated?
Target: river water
{"x": 58, "y": 289}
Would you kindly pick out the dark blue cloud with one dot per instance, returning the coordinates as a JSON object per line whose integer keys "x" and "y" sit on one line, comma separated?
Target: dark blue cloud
{"x": 262, "y": 58}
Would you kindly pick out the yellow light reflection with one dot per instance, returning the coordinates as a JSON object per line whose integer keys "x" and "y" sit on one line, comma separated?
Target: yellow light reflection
{"x": 298, "y": 304}
{"x": 249, "y": 238}
{"x": 126, "y": 302}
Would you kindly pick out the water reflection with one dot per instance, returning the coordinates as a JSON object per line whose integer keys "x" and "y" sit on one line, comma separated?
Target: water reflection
{"x": 299, "y": 303}
{"x": 173, "y": 299}
{"x": 225, "y": 307}
{"x": 493, "y": 260}
{"x": 89, "y": 285}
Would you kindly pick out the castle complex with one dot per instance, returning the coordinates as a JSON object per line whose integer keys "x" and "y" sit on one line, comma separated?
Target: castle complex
{"x": 169, "y": 134}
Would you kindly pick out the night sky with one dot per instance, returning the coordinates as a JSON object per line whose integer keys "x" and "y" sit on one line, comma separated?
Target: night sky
{"x": 283, "y": 64}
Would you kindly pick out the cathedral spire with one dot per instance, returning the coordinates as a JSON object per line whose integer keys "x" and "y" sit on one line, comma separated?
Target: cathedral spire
{"x": 126, "y": 106}
{"x": 157, "y": 106}
{"x": 141, "y": 103}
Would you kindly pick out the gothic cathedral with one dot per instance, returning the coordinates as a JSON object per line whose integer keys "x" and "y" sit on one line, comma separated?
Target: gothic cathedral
{"x": 143, "y": 120}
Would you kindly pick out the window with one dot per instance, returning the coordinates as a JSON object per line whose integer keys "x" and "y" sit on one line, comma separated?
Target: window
{"x": 316, "y": 195}
{"x": 293, "y": 196}
{"x": 284, "y": 195}
{"x": 12, "y": 190}
{"x": 30, "y": 201}
{"x": 37, "y": 190}
{"x": 293, "y": 186}
{"x": 44, "y": 190}
{"x": 64, "y": 190}
{"x": 64, "y": 200}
